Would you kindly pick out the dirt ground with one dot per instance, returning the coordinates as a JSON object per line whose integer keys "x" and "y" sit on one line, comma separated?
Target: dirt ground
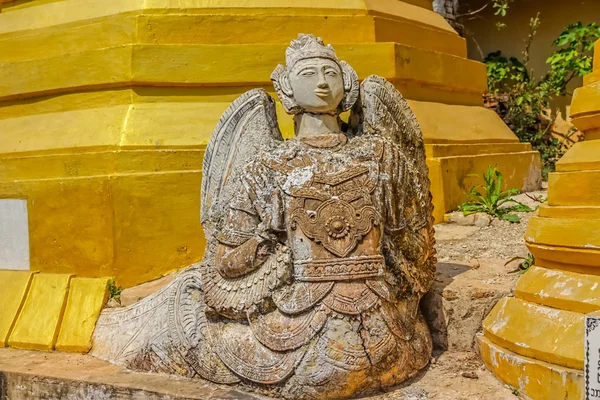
{"x": 473, "y": 250}
{"x": 501, "y": 239}
{"x": 453, "y": 376}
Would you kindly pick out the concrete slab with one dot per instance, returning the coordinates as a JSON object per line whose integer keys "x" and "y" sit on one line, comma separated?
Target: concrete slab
{"x": 30, "y": 375}
{"x": 37, "y": 325}
{"x": 15, "y": 285}
{"x": 85, "y": 301}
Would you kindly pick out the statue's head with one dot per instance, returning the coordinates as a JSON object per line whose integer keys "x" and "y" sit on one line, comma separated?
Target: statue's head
{"x": 314, "y": 80}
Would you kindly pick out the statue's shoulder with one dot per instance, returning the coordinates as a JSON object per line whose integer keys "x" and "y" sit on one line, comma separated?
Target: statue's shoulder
{"x": 275, "y": 160}
{"x": 374, "y": 145}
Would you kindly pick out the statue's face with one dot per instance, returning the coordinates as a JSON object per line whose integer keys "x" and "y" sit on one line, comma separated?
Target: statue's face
{"x": 317, "y": 85}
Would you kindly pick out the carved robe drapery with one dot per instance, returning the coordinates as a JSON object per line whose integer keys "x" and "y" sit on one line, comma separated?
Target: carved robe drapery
{"x": 349, "y": 306}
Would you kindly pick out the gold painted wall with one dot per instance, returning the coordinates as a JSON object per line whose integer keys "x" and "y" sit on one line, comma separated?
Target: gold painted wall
{"x": 106, "y": 108}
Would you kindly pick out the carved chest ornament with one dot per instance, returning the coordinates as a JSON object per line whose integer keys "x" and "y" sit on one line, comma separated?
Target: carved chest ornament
{"x": 335, "y": 224}
{"x": 335, "y": 212}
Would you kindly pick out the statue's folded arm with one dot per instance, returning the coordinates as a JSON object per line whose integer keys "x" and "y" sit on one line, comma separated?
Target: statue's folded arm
{"x": 245, "y": 242}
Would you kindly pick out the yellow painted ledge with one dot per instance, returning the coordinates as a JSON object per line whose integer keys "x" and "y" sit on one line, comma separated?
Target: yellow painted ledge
{"x": 70, "y": 11}
{"x": 533, "y": 378}
{"x": 583, "y": 156}
{"x": 586, "y": 100}
{"x": 560, "y": 289}
{"x": 87, "y": 296}
{"x": 451, "y": 177}
{"x": 573, "y": 233}
{"x": 569, "y": 212}
{"x": 161, "y": 28}
{"x": 566, "y": 258}
{"x": 187, "y": 123}
{"x": 15, "y": 285}
{"x": 43, "y": 311}
{"x": 531, "y": 330}
{"x": 36, "y": 327}
{"x": 233, "y": 65}
{"x": 578, "y": 188}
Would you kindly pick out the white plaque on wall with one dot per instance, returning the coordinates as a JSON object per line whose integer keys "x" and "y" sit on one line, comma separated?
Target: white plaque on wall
{"x": 14, "y": 234}
{"x": 592, "y": 356}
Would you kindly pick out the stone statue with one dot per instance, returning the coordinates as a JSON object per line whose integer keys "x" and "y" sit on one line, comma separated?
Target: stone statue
{"x": 319, "y": 247}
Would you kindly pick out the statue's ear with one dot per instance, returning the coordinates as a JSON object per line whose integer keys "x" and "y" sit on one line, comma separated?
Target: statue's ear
{"x": 284, "y": 81}
{"x": 282, "y": 86}
{"x": 351, "y": 86}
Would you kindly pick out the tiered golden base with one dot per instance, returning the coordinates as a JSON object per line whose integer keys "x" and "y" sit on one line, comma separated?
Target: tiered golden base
{"x": 542, "y": 328}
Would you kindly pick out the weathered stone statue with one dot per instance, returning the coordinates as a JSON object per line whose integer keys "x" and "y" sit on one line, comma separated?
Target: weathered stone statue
{"x": 320, "y": 247}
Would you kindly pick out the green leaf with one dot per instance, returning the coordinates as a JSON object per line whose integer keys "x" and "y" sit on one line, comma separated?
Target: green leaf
{"x": 522, "y": 208}
{"x": 514, "y": 218}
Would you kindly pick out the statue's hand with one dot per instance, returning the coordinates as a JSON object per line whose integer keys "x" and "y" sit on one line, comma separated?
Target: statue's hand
{"x": 272, "y": 221}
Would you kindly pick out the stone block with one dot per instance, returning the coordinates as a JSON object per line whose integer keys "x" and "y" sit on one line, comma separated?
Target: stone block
{"x": 478, "y": 219}
{"x": 37, "y": 325}
{"x": 461, "y": 297}
{"x": 15, "y": 285}
{"x": 85, "y": 301}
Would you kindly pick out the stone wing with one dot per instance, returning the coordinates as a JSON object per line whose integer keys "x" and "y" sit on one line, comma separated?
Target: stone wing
{"x": 248, "y": 127}
{"x": 234, "y": 297}
{"x": 384, "y": 111}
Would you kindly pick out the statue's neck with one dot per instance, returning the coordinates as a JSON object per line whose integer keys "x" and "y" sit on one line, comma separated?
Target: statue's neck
{"x": 306, "y": 125}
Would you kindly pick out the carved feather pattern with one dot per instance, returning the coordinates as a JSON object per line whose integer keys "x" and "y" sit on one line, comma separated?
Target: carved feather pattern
{"x": 281, "y": 332}
{"x": 248, "y": 127}
{"x": 248, "y": 358}
{"x": 233, "y": 297}
{"x": 189, "y": 331}
{"x": 384, "y": 111}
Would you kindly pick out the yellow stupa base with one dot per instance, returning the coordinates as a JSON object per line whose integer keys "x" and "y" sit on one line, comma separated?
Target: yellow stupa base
{"x": 528, "y": 375}
{"x": 544, "y": 322}
{"x": 49, "y": 311}
{"x": 106, "y": 108}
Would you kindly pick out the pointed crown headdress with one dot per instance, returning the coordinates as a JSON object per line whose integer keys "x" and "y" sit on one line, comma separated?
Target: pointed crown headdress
{"x": 308, "y": 46}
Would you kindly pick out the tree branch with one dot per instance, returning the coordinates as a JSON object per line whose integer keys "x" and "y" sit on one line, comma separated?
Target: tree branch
{"x": 474, "y": 12}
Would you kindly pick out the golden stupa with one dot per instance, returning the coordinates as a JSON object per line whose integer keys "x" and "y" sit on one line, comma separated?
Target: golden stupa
{"x": 106, "y": 108}
{"x": 535, "y": 340}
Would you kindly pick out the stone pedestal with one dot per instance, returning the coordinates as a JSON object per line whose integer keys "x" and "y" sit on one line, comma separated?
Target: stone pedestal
{"x": 535, "y": 341}
{"x": 106, "y": 108}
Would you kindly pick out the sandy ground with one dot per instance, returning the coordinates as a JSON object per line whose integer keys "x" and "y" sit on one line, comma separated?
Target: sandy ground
{"x": 461, "y": 375}
{"x": 453, "y": 376}
{"x": 501, "y": 239}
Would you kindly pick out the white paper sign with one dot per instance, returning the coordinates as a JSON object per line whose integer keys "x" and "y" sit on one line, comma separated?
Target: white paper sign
{"x": 14, "y": 234}
{"x": 592, "y": 356}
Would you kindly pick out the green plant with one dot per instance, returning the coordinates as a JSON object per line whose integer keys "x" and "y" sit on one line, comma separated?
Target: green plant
{"x": 114, "y": 291}
{"x": 516, "y": 392}
{"x": 501, "y": 7}
{"x": 524, "y": 266}
{"x": 503, "y": 73}
{"x": 492, "y": 200}
{"x": 524, "y": 103}
{"x": 538, "y": 199}
{"x": 574, "y": 56}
